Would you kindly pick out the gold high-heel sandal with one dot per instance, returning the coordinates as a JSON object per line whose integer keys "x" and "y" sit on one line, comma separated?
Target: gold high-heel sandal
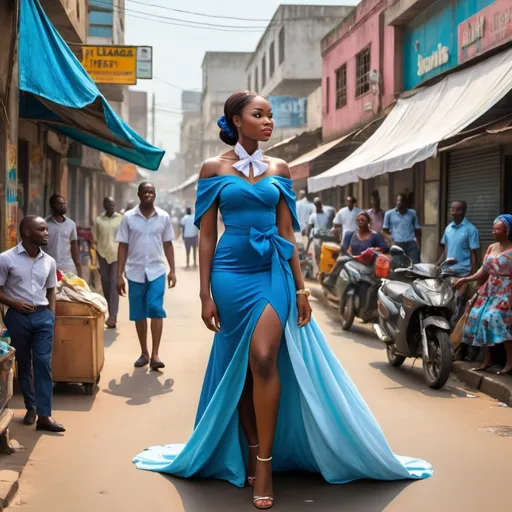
{"x": 263, "y": 498}
{"x": 251, "y": 480}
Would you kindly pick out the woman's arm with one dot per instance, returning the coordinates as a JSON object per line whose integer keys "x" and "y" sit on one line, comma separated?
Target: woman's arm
{"x": 285, "y": 228}
{"x": 207, "y": 244}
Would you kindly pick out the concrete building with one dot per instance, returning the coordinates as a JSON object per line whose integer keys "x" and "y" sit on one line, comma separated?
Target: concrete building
{"x": 443, "y": 55}
{"x": 223, "y": 74}
{"x": 138, "y": 111}
{"x": 69, "y": 17}
{"x": 286, "y": 66}
{"x": 361, "y": 61}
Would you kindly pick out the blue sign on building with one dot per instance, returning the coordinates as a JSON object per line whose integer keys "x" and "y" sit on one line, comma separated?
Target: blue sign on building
{"x": 431, "y": 39}
{"x": 289, "y": 111}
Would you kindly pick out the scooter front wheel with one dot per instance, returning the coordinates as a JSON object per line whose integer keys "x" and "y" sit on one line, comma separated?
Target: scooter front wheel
{"x": 437, "y": 367}
{"x": 394, "y": 359}
{"x": 347, "y": 312}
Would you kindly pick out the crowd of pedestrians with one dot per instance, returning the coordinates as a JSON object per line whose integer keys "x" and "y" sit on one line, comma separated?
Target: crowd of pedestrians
{"x": 483, "y": 296}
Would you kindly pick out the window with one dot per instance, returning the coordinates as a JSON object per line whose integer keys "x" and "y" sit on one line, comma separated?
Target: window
{"x": 327, "y": 94}
{"x": 102, "y": 4}
{"x": 341, "y": 86}
{"x": 256, "y": 81}
{"x": 272, "y": 59}
{"x": 249, "y": 82}
{"x": 363, "y": 72}
{"x": 99, "y": 31}
{"x": 263, "y": 71}
{"x": 101, "y": 18}
{"x": 281, "y": 46}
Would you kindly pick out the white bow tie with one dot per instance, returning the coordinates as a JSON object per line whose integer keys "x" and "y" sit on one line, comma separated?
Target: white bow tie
{"x": 244, "y": 164}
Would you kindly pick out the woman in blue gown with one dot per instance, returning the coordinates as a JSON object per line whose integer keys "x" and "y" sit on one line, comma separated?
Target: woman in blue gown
{"x": 275, "y": 397}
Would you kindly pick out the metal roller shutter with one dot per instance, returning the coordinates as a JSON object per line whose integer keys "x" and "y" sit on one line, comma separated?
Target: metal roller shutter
{"x": 474, "y": 176}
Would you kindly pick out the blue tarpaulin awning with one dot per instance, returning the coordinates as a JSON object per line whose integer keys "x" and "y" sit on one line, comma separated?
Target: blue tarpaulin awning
{"x": 55, "y": 90}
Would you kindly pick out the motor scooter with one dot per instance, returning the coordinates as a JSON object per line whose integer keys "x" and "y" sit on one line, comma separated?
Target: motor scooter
{"x": 414, "y": 318}
{"x": 357, "y": 288}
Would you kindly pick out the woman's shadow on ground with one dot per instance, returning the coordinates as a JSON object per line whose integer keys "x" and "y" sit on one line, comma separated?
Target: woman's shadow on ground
{"x": 295, "y": 492}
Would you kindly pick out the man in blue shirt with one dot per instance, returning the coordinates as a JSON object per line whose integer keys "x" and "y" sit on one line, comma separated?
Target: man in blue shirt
{"x": 461, "y": 241}
{"x": 402, "y": 226}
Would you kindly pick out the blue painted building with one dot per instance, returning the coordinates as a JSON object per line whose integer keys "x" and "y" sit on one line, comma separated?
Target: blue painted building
{"x": 430, "y": 42}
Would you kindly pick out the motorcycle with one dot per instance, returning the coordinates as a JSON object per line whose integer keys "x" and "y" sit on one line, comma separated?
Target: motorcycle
{"x": 305, "y": 258}
{"x": 357, "y": 288}
{"x": 414, "y": 318}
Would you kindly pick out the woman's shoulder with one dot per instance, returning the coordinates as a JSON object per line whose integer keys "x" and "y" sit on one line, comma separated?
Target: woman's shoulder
{"x": 214, "y": 166}
{"x": 278, "y": 167}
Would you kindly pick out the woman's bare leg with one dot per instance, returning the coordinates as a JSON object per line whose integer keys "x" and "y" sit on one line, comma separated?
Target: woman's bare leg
{"x": 487, "y": 361}
{"x": 266, "y": 394}
{"x": 508, "y": 350}
{"x": 248, "y": 421}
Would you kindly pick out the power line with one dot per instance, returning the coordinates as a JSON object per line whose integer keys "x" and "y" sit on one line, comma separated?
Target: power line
{"x": 175, "y": 86}
{"x": 192, "y": 23}
{"x": 199, "y": 13}
{"x": 191, "y": 26}
{"x": 217, "y": 16}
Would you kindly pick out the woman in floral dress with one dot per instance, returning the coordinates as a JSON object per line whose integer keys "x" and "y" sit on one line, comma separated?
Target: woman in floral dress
{"x": 489, "y": 321}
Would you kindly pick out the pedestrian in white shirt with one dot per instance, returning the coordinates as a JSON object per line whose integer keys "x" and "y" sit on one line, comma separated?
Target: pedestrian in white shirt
{"x": 144, "y": 236}
{"x": 190, "y": 233}
{"x": 304, "y": 210}
{"x": 346, "y": 219}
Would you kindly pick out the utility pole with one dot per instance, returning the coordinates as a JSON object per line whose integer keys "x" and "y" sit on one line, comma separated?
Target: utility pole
{"x": 153, "y": 121}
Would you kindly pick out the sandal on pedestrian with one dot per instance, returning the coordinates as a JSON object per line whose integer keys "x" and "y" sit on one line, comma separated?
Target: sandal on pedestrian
{"x": 251, "y": 480}
{"x": 482, "y": 368}
{"x": 268, "y": 499}
{"x": 142, "y": 361}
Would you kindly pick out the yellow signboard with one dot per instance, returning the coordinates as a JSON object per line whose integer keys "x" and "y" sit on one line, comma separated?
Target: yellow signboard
{"x": 126, "y": 172}
{"x": 111, "y": 64}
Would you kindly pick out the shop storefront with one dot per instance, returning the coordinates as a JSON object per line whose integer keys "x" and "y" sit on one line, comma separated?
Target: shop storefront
{"x": 461, "y": 114}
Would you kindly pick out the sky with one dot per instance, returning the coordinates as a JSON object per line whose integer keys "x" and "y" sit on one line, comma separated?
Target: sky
{"x": 178, "y": 51}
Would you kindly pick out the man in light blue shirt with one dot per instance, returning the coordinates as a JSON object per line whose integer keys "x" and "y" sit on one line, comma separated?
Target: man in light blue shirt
{"x": 304, "y": 210}
{"x": 460, "y": 241}
{"x": 318, "y": 222}
{"x": 403, "y": 226}
{"x": 28, "y": 278}
{"x": 190, "y": 234}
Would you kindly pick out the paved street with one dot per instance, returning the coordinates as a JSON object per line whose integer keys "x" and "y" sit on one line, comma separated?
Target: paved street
{"x": 89, "y": 468}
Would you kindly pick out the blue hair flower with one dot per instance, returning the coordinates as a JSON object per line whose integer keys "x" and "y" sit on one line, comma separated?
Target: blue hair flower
{"x": 222, "y": 123}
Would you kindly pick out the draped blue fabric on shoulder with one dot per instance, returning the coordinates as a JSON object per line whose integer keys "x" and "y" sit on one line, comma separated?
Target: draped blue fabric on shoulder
{"x": 56, "y": 91}
{"x": 323, "y": 424}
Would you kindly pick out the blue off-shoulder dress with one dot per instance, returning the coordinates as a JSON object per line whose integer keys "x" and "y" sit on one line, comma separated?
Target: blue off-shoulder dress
{"x": 323, "y": 424}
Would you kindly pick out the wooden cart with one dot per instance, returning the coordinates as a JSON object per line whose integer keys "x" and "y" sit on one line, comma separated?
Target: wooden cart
{"x": 78, "y": 349}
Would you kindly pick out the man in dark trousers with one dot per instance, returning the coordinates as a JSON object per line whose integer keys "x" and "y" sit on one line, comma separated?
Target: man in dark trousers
{"x": 28, "y": 277}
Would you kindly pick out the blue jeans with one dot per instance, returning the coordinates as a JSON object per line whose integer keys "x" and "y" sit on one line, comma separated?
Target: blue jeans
{"x": 411, "y": 249}
{"x": 32, "y": 337}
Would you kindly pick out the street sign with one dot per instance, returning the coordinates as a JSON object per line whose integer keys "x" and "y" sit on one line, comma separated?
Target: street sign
{"x": 289, "y": 111}
{"x": 111, "y": 64}
{"x": 145, "y": 62}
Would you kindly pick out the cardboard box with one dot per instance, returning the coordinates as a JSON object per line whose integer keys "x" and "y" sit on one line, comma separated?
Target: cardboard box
{"x": 67, "y": 308}
{"x": 78, "y": 349}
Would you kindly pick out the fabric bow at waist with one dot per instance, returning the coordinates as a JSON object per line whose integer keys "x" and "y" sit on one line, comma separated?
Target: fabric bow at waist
{"x": 266, "y": 241}
{"x": 269, "y": 242}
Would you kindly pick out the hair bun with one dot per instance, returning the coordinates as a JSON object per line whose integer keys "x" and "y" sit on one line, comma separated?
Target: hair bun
{"x": 227, "y": 134}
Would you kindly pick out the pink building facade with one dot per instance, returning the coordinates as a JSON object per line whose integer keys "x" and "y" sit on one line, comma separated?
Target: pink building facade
{"x": 362, "y": 69}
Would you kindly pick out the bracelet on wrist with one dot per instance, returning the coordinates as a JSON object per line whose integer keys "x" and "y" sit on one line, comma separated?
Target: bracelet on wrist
{"x": 304, "y": 291}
